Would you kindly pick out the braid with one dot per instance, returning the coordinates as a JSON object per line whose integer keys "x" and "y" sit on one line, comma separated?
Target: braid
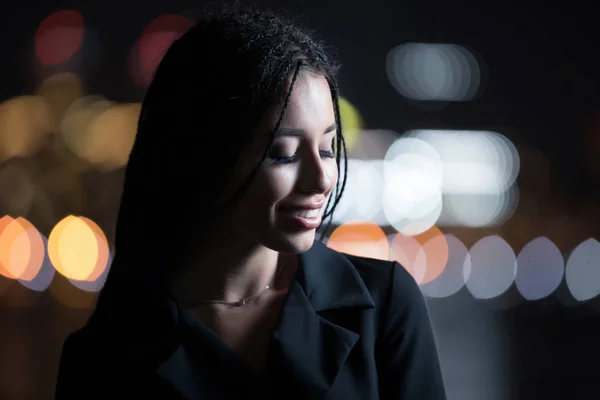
{"x": 340, "y": 152}
{"x": 286, "y": 101}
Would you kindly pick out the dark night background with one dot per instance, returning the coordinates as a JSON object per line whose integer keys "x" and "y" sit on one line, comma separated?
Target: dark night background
{"x": 541, "y": 91}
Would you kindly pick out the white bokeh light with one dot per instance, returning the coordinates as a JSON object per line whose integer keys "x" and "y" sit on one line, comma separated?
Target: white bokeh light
{"x": 412, "y": 198}
{"x": 472, "y": 161}
{"x": 434, "y": 72}
{"x": 363, "y": 192}
{"x": 493, "y": 267}
{"x": 540, "y": 269}
{"x": 582, "y": 273}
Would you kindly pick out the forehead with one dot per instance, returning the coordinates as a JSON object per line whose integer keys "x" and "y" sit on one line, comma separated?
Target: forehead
{"x": 310, "y": 106}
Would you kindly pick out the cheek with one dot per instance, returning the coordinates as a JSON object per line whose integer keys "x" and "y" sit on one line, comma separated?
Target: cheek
{"x": 269, "y": 188}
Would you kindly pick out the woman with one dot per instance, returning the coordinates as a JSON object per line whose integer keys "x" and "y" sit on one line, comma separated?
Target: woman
{"x": 229, "y": 296}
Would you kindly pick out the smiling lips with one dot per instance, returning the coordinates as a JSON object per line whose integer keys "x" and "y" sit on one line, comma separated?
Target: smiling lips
{"x": 305, "y": 217}
{"x": 304, "y": 213}
{"x": 306, "y": 206}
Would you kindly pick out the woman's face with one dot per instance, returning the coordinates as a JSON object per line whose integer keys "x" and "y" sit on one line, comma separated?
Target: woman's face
{"x": 283, "y": 206}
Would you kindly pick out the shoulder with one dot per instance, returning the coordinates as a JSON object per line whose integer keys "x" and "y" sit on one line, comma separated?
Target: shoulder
{"x": 84, "y": 346}
{"x": 397, "y": 296}
{"x": 385, "y": 279}
{"x": 349, "y": 275}
{"x": 407, "y": 362}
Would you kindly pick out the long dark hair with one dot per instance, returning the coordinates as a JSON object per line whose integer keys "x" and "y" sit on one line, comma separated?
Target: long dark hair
{"x": 202, "y": 108}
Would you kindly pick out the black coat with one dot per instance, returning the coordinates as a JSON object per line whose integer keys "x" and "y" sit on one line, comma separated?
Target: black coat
{"x": 351, "y": 328}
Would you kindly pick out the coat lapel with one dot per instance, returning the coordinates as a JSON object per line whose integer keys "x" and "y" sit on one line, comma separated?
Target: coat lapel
{"x": 309, "y": 348}
{"x": 180, "y": 371}
{"x": 196, "y": 367}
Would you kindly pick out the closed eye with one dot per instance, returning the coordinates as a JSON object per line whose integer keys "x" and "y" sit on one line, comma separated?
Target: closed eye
{"x": 296, "y": 157}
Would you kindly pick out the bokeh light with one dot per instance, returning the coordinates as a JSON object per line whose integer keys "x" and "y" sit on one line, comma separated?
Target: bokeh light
{"x": 59, "y": 91}
{"x": 45, "y": 273}
{"x": 77, "y": 120}
{"x": 409, "y": 253}
{"x": 424, "y": 256}
{"x": 434, "y": 72}
{"x": 360, "y": 238}
{"x": 493, "y": 268}
{"x": 59, "y": 37}
{"x": 148, "y": 51}
{"x": 21, "y": 250}
{"x": 352, "y": 122}
{"x": 435, "y": 247}
{"x": 582, "y": 273}
{"x": 25, "y": 122}
{"x": 77, "y": 248}
{"x": 110, "y": 136}
{"x": 540, "y": 269}
{"x": 412, "y": 198}
{"x": 362, "y": 194}
{"x": 452, "y": 277}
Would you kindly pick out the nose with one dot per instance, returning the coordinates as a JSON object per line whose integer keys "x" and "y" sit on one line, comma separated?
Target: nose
{"x": 317, "y": 175}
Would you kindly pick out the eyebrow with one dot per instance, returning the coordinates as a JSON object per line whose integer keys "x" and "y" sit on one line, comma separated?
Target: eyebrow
{"x": 300, "y": 132}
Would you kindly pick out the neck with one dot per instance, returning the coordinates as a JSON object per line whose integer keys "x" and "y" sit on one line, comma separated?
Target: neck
{"x": 227, "y": 273}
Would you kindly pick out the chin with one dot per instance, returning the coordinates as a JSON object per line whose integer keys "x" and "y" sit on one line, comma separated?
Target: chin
{"x": 296, "y": 243}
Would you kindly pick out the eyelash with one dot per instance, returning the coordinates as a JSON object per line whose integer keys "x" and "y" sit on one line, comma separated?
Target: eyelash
{"x": 294, "y": 158}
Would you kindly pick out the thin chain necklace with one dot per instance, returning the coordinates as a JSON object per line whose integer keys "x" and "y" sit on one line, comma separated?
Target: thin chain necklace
{"x": 244, "y": 301}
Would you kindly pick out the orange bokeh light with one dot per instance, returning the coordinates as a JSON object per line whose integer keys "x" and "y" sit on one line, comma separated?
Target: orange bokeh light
{"x": 435, "y": 247}
{"x": 424, "y": 256}
{"x": 21, "y": 249}
{"x": 409, "y": 253}
{"x": 360, "y": 238}
{"x": 4, "y": 222}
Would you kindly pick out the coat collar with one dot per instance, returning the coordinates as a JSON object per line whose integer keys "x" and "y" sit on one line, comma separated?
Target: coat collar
{"x": 332, "y": 281}
{"x": 308, "y": 349}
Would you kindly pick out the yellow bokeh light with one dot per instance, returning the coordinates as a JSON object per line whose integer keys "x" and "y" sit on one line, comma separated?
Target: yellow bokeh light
{"x": 53, "y": 242}
{"x": 78, "y": 250}
{"x": 77, "y": 121}
{"x": 24, "y": 123}
{"x": 75, "y": 250}
{"x": 60, "y": 91}
{"x": 110, "y": 136}
{"x": 352, "y": 122}
{"x": 360, "y": 238}
{"x": 103, "y": 250}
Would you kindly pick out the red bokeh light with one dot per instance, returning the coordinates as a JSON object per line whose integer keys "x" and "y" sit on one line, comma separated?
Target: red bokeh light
{"x": 59, "y": 37}
{"x": 149, "y": 50}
